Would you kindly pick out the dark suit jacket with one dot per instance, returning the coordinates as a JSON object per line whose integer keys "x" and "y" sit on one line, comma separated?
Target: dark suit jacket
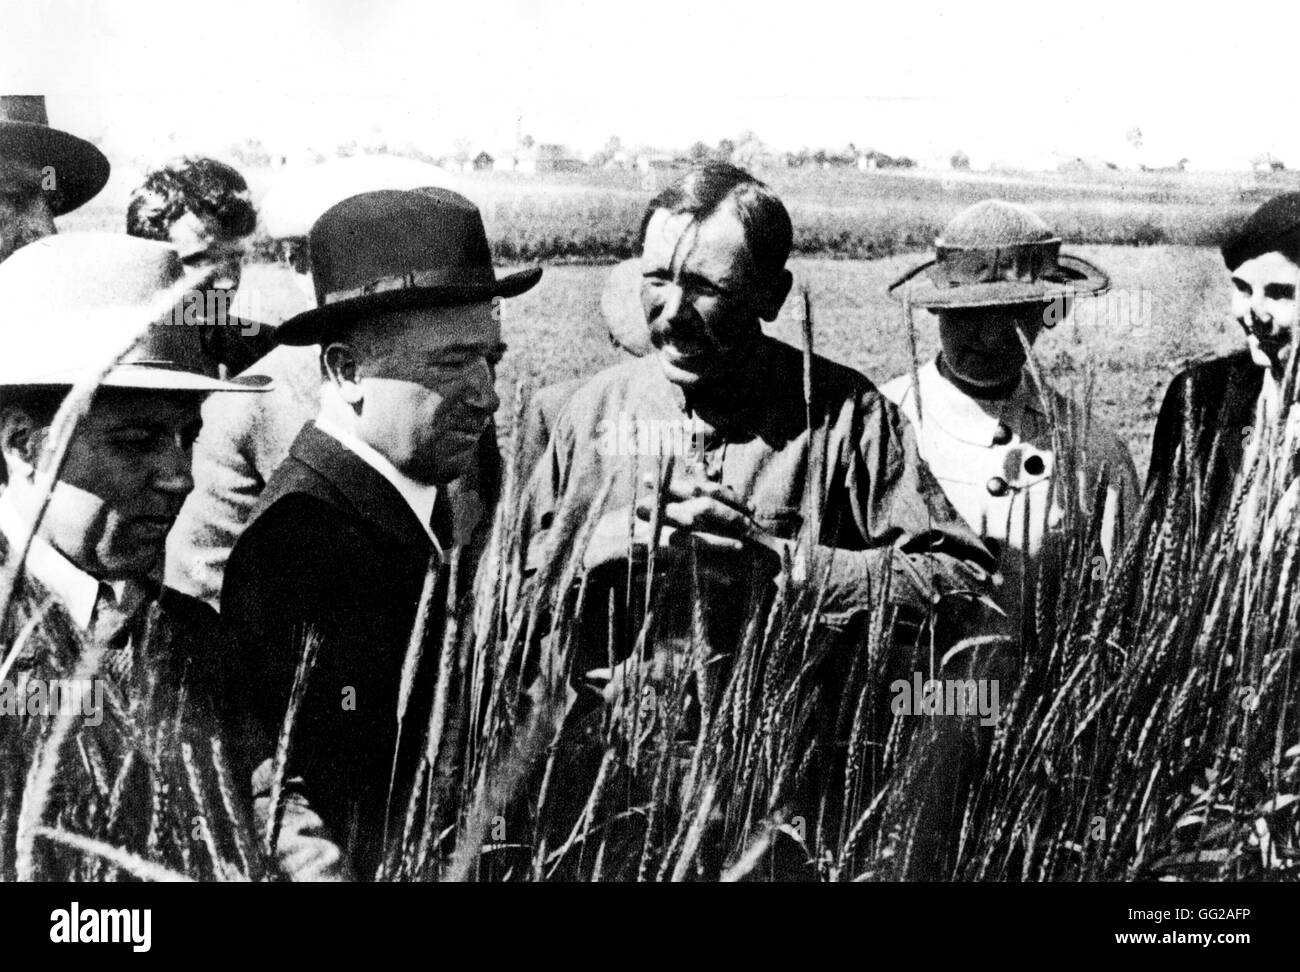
{"x": 243, "y": 442}
{"x": 1218, "y": 397}
{"x": 332, "y": 547}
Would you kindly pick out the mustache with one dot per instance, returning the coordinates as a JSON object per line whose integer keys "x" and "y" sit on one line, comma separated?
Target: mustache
{"x": 692, "y": 333}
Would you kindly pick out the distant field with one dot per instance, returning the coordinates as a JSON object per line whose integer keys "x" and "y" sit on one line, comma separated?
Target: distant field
{"x": 1169, "y": 305}
{"x": 843, "y": 213}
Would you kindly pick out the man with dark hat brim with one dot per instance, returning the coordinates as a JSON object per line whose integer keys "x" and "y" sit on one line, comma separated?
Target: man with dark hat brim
{"x": 244, "y": 440}
{"x": 986, "y": 430}
{"x": 350, "y": 524}
{"x": 1206, "y": 432}
{"x": 87, "y": 600}
{"x": 44, "y": 172}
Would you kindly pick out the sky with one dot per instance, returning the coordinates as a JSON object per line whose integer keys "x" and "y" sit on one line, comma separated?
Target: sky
{"x": 1003, "y": 80}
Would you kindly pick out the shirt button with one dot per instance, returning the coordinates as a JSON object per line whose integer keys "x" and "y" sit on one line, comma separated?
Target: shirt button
{"x": 997, "y": 486}
{"x": 1003, "y": 434}
{"x": 1034, "y": 465}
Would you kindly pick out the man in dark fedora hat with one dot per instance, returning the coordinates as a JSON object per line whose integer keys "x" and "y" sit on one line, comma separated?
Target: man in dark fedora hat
{"x": 244, "y": 440}
{"x": 1217, "y": 416}
{"x": 988, "y": 432}
{"x": 80, "y": 573}
{"x": 44, "y": 172}
{"x": 341, "y": 540}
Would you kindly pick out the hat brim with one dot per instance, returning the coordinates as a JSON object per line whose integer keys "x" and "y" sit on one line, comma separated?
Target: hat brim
{"x": 80, "y": 169}
{"x": 1084, "y": 279}
{"x": 311, "y": 326}
{"x": 146, "y": 377}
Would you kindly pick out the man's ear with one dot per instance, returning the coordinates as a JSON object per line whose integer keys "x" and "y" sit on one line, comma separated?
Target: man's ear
{"x": 22, "y": 438}
{"x": 340, "y": 363}
{"x": 771, "y": 302}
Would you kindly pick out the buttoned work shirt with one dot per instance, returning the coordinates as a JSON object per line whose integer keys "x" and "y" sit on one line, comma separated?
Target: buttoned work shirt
{"x": 880, "y": 516}
{"x": 998, "y": 464}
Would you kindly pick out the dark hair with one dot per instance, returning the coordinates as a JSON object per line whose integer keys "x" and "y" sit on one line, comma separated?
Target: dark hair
{"x": 210, "y": 190}
{"x": 1274, "y": 226}
{"x": 702, "y": 191}
{"x": 41, "y": 403}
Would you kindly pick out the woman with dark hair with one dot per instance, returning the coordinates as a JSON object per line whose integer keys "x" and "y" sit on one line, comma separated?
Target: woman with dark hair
{"x": 1215, "y": 412}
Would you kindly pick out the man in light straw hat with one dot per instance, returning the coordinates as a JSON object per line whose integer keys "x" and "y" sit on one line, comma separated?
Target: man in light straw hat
{"x": 44, "y": 172}
{"x": 348, "y": 526}
{"x": 1001, "y": 446}
{"x": 83, "y": 605}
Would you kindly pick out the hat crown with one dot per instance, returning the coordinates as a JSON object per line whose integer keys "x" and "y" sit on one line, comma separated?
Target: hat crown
{"x": 70, "y": 302}
{"x": 375, "y": 236}
{"x": 29, "y": 109}
{"x": 997, "y": 253}
{"x": 72, "y": 272}
{"x": 994, "y": 222}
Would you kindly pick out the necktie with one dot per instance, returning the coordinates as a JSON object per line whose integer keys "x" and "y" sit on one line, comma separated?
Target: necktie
{"x": 440, "y": 522}
{"x": 110, "y": 621}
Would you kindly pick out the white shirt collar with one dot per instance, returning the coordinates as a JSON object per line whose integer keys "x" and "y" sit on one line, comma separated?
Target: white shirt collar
{"x": 972, "y": 420}
{"x": 77, "y": 590}
{"x": 420, "y": 497}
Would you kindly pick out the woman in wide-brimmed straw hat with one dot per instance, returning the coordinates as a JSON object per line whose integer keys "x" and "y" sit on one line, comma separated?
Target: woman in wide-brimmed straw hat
{"x": 1000, "y": 444}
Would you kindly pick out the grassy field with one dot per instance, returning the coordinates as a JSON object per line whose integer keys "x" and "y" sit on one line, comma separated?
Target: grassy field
{"x": 593, "y": 216}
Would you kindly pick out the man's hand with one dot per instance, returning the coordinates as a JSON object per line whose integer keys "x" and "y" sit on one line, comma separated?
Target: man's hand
{"x": 610, "y": 541}
{"x": 696, "y": 511}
